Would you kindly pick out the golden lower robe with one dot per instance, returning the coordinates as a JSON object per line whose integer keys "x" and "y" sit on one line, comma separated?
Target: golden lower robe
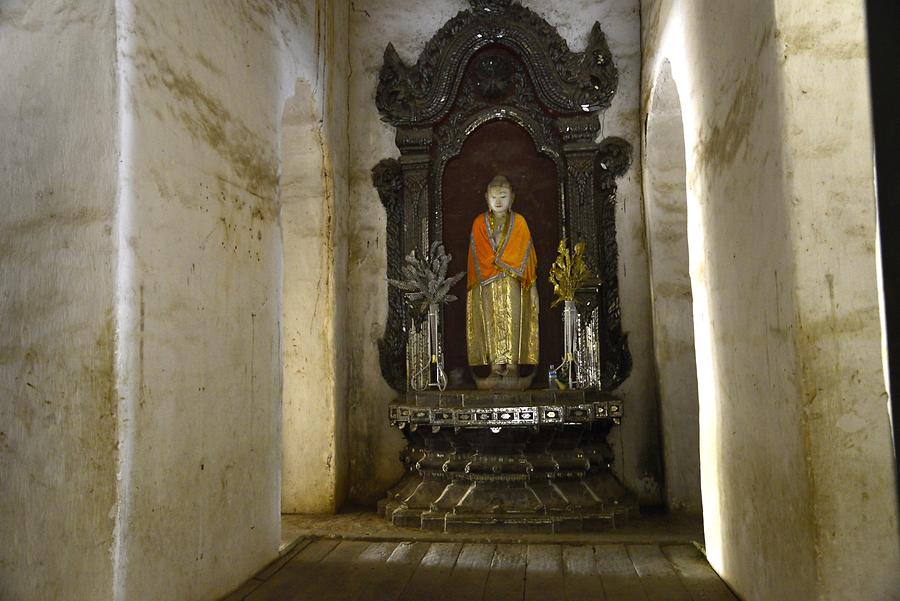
{"x": 501, "y": 308}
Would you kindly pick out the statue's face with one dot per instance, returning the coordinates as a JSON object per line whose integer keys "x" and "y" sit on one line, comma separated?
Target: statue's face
{"x": 499, "y": 199}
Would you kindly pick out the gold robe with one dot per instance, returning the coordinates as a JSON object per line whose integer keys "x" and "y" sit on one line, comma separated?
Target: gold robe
{"x": 501, "y": 308}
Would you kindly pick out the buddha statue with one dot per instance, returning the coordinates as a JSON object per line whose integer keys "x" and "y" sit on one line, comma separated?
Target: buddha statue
{"x": 501, "y": 298}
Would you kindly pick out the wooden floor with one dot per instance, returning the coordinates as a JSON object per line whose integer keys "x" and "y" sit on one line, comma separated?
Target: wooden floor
{"x": 323, "y": 570}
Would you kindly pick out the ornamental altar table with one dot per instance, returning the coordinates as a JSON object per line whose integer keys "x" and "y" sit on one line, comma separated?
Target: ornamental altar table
{"x": 535, "y": 460}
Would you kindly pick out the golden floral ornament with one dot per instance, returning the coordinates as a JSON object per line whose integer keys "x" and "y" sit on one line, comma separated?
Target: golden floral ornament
{"x": 568, "y": 272}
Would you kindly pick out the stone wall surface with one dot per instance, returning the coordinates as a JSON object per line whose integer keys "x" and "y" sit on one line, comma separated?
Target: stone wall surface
{"x": 142, "y": 307}
{"x": 204, "y": 86}
{"x": 58, "y": 126}
{"x": 314, "y": 214}
{"x": 199, "y": 332}
{"x": 373, "y": 24}
{"x": 798, "y": 488}
{"x": 829, "y": 167}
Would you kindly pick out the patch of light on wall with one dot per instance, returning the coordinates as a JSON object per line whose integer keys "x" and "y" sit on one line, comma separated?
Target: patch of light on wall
{"x": 673, "y": 47}
{"x": 704, "y": 345}
{"x": 707, "y": 391}
{"x": 879, "y": 274}
{"x": 126, "y": 308}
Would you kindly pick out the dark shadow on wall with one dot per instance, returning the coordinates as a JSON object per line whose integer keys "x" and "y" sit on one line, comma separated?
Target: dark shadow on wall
{"x": 884, "y": 68}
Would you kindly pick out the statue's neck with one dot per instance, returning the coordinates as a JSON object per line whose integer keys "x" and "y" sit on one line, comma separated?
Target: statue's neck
{"x": 498, "y": 225}
{"x": 499, "y": 218}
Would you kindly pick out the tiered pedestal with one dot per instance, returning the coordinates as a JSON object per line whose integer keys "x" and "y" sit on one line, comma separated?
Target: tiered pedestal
{"x": 535, "y": 460}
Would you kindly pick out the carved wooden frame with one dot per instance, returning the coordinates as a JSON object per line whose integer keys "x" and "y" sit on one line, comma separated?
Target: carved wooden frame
{"x": 556, "y": 95}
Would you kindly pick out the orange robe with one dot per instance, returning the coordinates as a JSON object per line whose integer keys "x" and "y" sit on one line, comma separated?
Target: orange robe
{"x": 514, "y": 257}
{"x": 501, "y": 308}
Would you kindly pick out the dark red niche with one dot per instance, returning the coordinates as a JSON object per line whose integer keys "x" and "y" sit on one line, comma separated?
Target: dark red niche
{"x": 501, "y": 147}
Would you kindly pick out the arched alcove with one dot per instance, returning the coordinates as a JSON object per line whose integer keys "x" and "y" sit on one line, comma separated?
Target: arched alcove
{"x": 312, "y": 425}
{"x": 665, "y": 207}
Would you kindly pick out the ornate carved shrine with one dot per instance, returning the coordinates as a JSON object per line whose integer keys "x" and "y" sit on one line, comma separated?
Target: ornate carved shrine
{"x": 497, "y": 89}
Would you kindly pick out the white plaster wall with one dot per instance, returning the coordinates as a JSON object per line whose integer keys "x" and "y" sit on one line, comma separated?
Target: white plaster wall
{"x": 374, "y": 464}
{"x": 142, "y": 297}
{"x": 314, "y": 213}
{"x": 829, "y": 167}
{"x": 337, "y": 99}
{"x": 308, "y": 456}
{"x": 57, "y": 276}
{"x": 665, "y": 202}
{"x": 203, "y": 84}
{"x": 798, "y": 490}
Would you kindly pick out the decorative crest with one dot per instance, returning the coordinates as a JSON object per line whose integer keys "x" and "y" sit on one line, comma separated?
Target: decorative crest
{"x": 566, "y": 82}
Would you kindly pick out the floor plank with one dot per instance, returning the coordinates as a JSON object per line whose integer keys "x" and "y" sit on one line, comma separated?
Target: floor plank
{"x": 698, "y": 577}
{"x": 337, "y": 566}
{"x": 243, "y": 591}
{"x": 583, "y": 583}
{"x": 388, "y": 582}
{"x": 279, "y": 563}
{"x": 620, "y": 581}
{"x": 364, "y": 570}
{"x": 658, "y": 578}
{"x": 288, "y": 582}
{"x": 433, "y": 572}
{"x": 372, "y": 569}
{"x": 543, "y": 574}
{"x": 506, "y": 580}
{"x": 470, "y": 573}
{"x": 658, "y": 529}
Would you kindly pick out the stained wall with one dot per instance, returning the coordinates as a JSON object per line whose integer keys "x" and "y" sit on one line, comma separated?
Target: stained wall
{"x": 838, "y": 326}
{"x": 797, "y": 481}
{"x": 374, "y": 23}
{"x": 58, "y": 123}
{"x": 199, "y": 331}
{"x": 205, "y": 86}
{"x": 314, "y": 216}
{"x": 141, "y": 447}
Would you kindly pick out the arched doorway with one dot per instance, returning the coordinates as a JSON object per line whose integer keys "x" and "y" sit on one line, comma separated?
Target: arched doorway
{"x": 665, "y": 207}
{"x": 313, "y": 457}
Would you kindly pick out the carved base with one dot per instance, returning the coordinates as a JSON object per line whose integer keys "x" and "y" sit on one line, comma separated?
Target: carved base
{"x": 566, "y": 506}
{"x": 530, "y": 474}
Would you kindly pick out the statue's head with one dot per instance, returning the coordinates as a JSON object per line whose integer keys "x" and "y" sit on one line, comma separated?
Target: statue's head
{"x": 499, "y": 195}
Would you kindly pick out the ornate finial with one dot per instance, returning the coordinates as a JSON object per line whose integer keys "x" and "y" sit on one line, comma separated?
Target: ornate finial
{"x": 490, "y": 6}
{"x": 393, "y": 96}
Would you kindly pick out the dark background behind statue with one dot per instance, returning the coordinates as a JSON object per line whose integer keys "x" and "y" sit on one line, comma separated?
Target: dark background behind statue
{"x": 502, "y": 147}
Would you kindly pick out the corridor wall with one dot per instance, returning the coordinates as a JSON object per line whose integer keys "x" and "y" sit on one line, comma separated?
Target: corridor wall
{"x": 796, "y": 456}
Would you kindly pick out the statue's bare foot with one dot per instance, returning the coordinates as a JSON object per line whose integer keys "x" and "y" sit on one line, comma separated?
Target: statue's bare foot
{"x": 499, "y": 369}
